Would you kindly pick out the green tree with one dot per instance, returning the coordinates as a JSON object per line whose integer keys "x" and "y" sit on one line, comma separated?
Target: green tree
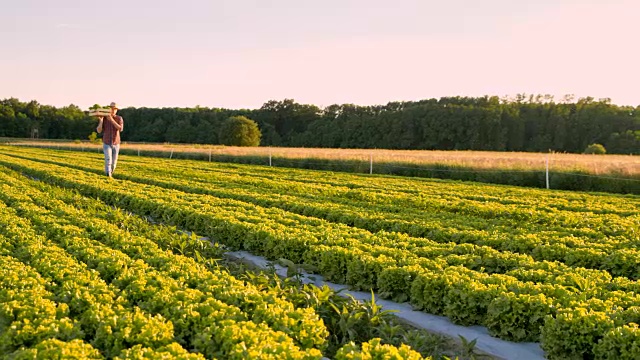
{"x": 522, "y": 123}
{"x": 240, "y": 131}
{"x": 595, "y": 149}
{"x": 627, "y": 142}
{"x": 287, "y": 117}
{"x": 93, "y": 138}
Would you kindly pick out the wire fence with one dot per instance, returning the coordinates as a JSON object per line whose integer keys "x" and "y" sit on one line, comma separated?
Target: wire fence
{"x": 539, "y": 178}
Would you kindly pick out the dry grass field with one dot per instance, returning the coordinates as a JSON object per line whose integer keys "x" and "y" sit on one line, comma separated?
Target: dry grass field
{"x": 602, "y": 165}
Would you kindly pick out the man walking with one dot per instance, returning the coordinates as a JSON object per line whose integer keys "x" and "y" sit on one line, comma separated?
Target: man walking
{"x": 112, "y": 126}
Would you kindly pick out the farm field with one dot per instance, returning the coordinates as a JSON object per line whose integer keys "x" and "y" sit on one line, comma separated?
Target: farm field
{"x": 624, "y": 165}
{"x": 610, "y": 173}
{"x": 555, "y": 267}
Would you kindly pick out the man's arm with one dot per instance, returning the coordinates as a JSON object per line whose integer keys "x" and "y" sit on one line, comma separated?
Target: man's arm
{"x": 117, "y": 125}
{"x": 99, "y": 128}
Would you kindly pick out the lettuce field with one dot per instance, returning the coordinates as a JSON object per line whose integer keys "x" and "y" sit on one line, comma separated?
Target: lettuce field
{"x": 555, "y": 267}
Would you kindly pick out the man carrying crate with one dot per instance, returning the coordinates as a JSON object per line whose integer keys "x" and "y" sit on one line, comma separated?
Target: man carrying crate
{"x": 112, "y": 126}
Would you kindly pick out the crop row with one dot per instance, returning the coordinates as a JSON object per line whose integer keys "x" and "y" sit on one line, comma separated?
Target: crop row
{"x": 91, "y": 219}
{"x": 509, "y": 308}
{"x": 28, "y": 313}
{"x": 475, "y": 257}
{"x": 420, "y": 193}
{"x": 204, "y": 323}
{"x": 100, "y": 311}
{"x": 34, "y": 325}
{"x": 616, "y": 253}
{"x": 398, "y": 250}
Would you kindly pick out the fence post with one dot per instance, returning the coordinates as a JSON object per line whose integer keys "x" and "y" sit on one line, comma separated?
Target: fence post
{"x": 547, "y": 172}
{"x": 269, "y": 156}
{"x": 171, "y": 155}
{"x": 209, "y": 155}
{"x": 370, "y": 164}
{"x": 138, "y": 151}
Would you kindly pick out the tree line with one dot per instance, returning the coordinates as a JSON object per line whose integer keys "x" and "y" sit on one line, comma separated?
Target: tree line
{"x": 523, "y": 123}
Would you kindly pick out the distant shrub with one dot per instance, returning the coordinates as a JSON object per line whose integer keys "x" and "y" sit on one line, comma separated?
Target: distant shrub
{"x": 93, "y": 138}
{"x": 240, "y": 131}
{"x": 595, "y": 149}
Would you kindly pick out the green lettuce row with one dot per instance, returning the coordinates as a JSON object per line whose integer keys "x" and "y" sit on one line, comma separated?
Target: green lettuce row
{"x": 307, "y": 182}
{"x": 484, "y": 208}
{"x": 167, "y": 237}
{"x": 104, "y": 316}
{"x": 358, "y": 276}
{"x": 570, "y": 249}
{"x": 290, "y": 242}
{"x": 79, "y": 350}
{"x": 621, "y": 342}
{"x": 587, "y": 333}
{"x": 394, "y": 205}
{"x": 413, "y": 216}
{"x": 235, "y": 182}
{"x": 508, "y": 308}
{"x": 169, "y": 352}
{"x": 474, "y": 258}
{"x": 462, "y": 317}
{"x": 99, "y": 210}
{"x": 603, "y": 306}
{"x": 419, "y": 192}
{"x": 506, "y": 195}
{"x": 301, "y": 324}
{"x": 479, "y": 301}
{"x": 487, "y": 260}
{"x": 28, "y": 313}
{"x": 575, "y": 253}
{"x": 58, "y": 349}
{"x": 375, "y": 349}
{"x": 514, "y": 314}
{"x": 215, "y": 329}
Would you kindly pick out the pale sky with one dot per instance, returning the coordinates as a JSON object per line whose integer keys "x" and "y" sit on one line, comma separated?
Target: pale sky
{"x": 243, "y": 53}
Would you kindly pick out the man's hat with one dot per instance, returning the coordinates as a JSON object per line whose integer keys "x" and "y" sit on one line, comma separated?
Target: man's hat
{"x": 113, "y": 105}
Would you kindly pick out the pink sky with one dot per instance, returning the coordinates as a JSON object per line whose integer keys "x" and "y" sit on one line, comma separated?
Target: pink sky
{"x": 240, "y": 54}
